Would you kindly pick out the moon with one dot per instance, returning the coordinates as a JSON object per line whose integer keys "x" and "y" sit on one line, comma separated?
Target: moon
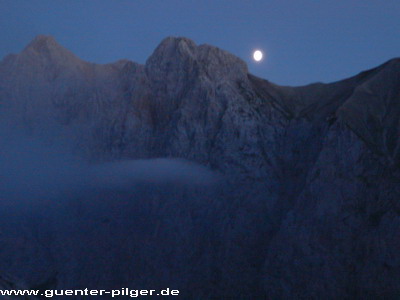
{"x": 257, "y": 55}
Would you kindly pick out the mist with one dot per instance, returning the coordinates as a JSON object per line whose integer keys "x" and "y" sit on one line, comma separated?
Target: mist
{"x": 34, "y": 169}
{"x": 66, "y": 222}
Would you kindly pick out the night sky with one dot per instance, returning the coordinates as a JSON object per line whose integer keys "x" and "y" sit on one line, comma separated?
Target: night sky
{"x": 304, "y": 41}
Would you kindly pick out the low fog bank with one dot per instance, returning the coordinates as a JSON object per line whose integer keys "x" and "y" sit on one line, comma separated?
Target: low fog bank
{"x": 155, "y": 223}
{"x": 121, "y": 174}
{"x": 35, "y": 169}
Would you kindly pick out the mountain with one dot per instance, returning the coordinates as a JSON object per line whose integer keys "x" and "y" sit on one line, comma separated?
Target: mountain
{"x": 309, "y": 207}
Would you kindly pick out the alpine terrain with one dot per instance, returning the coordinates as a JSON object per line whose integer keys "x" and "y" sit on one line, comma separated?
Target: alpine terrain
{"x": 189, "y": 173}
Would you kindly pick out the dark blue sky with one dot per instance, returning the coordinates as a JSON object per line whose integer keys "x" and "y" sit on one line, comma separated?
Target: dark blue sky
{"x": 304, "y": 41}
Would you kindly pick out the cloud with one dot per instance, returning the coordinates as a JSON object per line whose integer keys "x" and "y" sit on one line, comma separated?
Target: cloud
{"x": 122, "y": 174}
{"x": 33, "y": 170}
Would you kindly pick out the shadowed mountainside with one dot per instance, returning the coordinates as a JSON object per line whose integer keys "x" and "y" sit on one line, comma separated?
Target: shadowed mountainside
{"x": 309, "y": 205}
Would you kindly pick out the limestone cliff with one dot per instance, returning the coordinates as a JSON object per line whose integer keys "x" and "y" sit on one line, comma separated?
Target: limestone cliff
{"x": 310, "y": 204}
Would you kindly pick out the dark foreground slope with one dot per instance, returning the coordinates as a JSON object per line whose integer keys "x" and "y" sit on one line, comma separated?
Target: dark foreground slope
{"x": 300, "y": 198}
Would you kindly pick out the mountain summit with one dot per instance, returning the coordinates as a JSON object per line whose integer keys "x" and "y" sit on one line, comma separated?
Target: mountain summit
{"x": 43, "y": 43}
{"x": 45, "y": 47}
{"x": 309, "y": 207}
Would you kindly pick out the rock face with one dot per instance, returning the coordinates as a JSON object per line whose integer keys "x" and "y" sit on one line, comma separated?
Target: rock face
{"x": 310, "y": 205}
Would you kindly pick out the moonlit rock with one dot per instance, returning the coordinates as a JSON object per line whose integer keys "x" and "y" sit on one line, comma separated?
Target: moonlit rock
{"x": 313, "y": 209}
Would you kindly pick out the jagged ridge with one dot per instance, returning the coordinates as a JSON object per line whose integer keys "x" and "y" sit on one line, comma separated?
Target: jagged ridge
{"x": 320, "y": 163}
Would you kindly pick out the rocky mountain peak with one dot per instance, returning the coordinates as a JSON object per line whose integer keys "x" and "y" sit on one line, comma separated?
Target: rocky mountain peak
{"x": 175, "y": 46}
{"x": 309, "y": 184}
{"x": 46, "y": 48}
{"x": 42, "y": 42}
{"x": 173, "y": 58}
{"x": 220, "y": 64}
{"x": 175, "y": 51}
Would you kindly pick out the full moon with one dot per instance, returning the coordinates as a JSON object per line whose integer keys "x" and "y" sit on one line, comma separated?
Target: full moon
{"x": 257, "y": 55}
